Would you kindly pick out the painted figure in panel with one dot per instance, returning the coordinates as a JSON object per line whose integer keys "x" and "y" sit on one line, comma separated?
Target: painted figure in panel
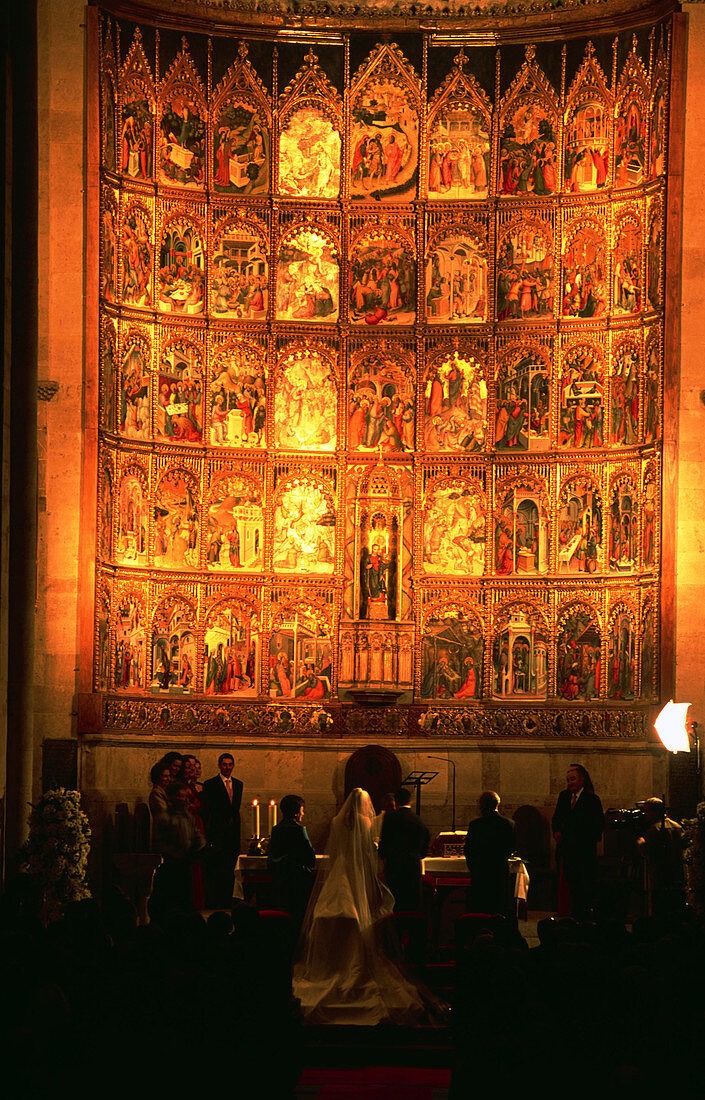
{"x": 459, "y": 154}
{"x": 625, "y": 396}
{"x": 456, "y": 280}
{"x": 379, "y": 567}
{"x": 239, "y": 285}
{"x": 648, "y": 654}
{"x": 182, "y": 269}
{"x": 630, "y": 143}
{"x": 623, "y": 539}
{"x": 183, "y": 142}
{"x": 107, "y": 119}
{"x": 304, "y": 530}
{"x": 454, "y": 533}
{"x": 586, "y": 158}
{"x": 179, "y": 416}
{"x": 231, "y": 655}
{"x": 520, "y": 657}
{"x": 627, "y": 269}
{"x": 137, "y": 140}
{"x": 239, "y": 397}
{"x": 380, "y": 408}
{"x": 648, "y": 532}
{"x": 176, "y": 526}
{"x": 235, "y": 525}
{"x": 384, "y": 143}
{"x": 453, "y": 657}
{"x": 307, "y": 278}
{"x": 105, "y": 519}
{"x": 584, "y": 289}
{"x": 135, "y": 393}
{"x": 102, "y": 651}
{"x": 521, "y": 533}
{"x": 581, "y": 410}
{"x": 309, "y": 155}
{"x": 578, "y": 656}
{"x": 173, "y": 649}
{"x": 525, "y": 271}
{"x": 527, "y": 155}
{"x": 300, "y": 660}
{"x": 579, "y": 528}
{"x": 108, "y": 259}
{"x": 136, "y": 259}
{"x": 455, "y": 404}
{"x": 107, "y": 379}
{"x": 658, "y": 133}
{"x": 621, "y": 658}
{"x": 306, "y": 403}
{"x": 131, "y": 546}
{"x": 240, "y": 150}
{"x": 654, "y": 249}
{"x": 129, "y": 646}
{"x": 523, "y": 403}
{"x": 652, "y": 419}
{"x": 382, "y": 282}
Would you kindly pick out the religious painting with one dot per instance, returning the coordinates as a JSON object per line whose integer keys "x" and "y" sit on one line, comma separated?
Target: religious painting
{"x": 580, "y": 527}
{"x": 307, "y": 277}
{"x": 182, "y": 262}
{"x": 654, "y": 248}
{"x": 135, "y": 390}
{"x": 132, "y": 518}
{"x": 107, "y": 377}
{"x": 239, "y": 396}
{"x": 525, "y": 270}
{"x": 520, "y": 655}
{"x": 235, "y": 524}
{"x": 173, "y": 647}
{"x": 649, "y": 518}
{"x": 585, "y": 271}
{"x": 306, "y": 403}
{"x": 579, "y": 655}
{"x": 621, "y": 655}
{"x": 527, "y": 150}
{"x": 179, "y": 413}
{"x": 586, "y": 155}
{"x": 182, "y": 145}
{"x": 452, "y": 658}
{"x": 240, "y": 274}
{"x": 384, "y": 142}
{"x": 309, "y": 155}
{"x": 300, "y": 658}
{"x": 652, "y": 374}
{"x": 523, "y": 400}
{"x": 176, "y": 524}
{"x": 627, "y": 266}
{"x": 378, "y": 564}
{"x": 624, "y": 397}
{"x": 137, "y": 257}
{"x": 456, "y": 278}
{"x": 624, "y": 525}
{"x": 657, "y": 158}
{"x": 240, "y": 150}
{"x": 455, "y": 404}
{"x": 521, "y": 530}
{"x": 581, "y": 411}
{"x": 459, "y": 153}
{"x": 108, "y": 248}
{"x": 381, "y": 400}
{"x": 231, "y": 653}
{"x": 630, "y": 142}
{"x": 130, "y": 650}
{"x": 649, "y": 653}
{"x": 136, "y": 139}
{"x": 454, "y": 529}
{"x": 107, "y": 122}
{"x": 304, "y": 528}
{"x": 382, "y": 280}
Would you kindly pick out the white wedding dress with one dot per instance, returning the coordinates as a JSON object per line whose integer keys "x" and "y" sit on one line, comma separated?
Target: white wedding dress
{"x": 342, "y": 976}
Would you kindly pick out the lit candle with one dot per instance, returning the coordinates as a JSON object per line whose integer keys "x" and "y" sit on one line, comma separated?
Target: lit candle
{"x": 272, "y": 815}
{"x": 255, "y": 817}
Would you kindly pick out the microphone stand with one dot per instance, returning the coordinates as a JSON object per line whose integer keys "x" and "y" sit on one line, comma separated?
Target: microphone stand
{"x": 447, "y": 760}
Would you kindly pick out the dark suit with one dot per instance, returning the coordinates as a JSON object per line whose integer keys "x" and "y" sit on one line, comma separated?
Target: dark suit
{"x": 291, "y": 861}
{"x": 403, "y": 843}
{"x": 221, "y": 819}
{"x": 488, "y": 846}
{"x": 580, "y": 828}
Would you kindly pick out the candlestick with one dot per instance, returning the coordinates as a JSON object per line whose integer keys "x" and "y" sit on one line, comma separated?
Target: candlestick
{"x": 272, "y": 815}
{"x": 255, "y": 817}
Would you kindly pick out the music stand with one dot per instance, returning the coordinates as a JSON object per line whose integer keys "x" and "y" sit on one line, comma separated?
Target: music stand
{"x": 418, "y": 780}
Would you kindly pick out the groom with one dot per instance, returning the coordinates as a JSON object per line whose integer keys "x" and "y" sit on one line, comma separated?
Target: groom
{"x": 402, "y": 845}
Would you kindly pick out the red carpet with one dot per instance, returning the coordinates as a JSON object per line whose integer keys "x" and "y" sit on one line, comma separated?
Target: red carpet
{"x": 374, "y": 1083}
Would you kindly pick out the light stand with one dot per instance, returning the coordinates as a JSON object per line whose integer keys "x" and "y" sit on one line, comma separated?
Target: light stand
{"x": 418, "y": 780}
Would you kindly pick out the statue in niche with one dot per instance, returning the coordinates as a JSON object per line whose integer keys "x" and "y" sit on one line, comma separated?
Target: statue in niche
{"x": 134, "y": 395}
{"x": 454, "y": 533}
{"x": 181, "y": 270}
{"x": 183, "y": 142}
{"x": 235, "y": 525}
{"x": 581, "y": 409}
{"x": 240, "y": 151}
{"x": 173, "y": 650}
{"x": 630, "y": 143}
{"x": 453, "y": 655}
{"x": 652, "y": 419}
{"x": 231, "y": 654}
{"x": 648, "y": 534}
{"x": 179, "y": 415}
{"x": 137, "y": 259}
{"x": 239, "y": 396}
{"x": 176, "y": 526}
{"x": 459, "y": 154}
{"x": 300, "y": 660}
{"x": 527, "y": 155}
{"x": 579, "y": 529}
{"x": 384, "y": 142}
{"x": 309, "y": 155}
{"x": 456, "y": 405}
{"x": 621, "y": 670}
{"x": 578, "y": 657}
{"x": 307, "y": 278}
{"x": 136, "y": 140}
{"x": 584, "y": 291}
{"x": 378, "y": 569}
{"x": 525, "y": 272}
{"x": 306, "y": 404}
{"x": 129, "y": 646}
{"x": 239, "y": 283}
{"x": 304, "y": 530}
{"x": 625, "y": 397}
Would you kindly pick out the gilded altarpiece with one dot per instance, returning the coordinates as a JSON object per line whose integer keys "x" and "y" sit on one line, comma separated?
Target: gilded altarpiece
{"x": 381, "y": 381}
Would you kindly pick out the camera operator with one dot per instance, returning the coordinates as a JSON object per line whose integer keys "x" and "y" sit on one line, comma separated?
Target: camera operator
{"x": 662, "y": 847}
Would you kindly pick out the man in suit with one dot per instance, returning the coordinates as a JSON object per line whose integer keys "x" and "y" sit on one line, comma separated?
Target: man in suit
{"x": 488, "y": 846}
{"x": 291, "y": 860}
{"x": 403, "y": 843}
{"x": 221, "y": 798}
{"x": 577, "y": 826}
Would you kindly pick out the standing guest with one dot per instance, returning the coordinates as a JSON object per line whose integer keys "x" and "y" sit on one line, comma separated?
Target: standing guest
{"x": 662, "y": 848}
{"x": 488, "y": 846}
{"x": 160, "y": 776}
{"x": 388, "y": 804}
{"x": 402, "y": 845}
{"x": 220, "y": 800}
{"x": 577, "y": 826}
{"x": 179, "y": 843}
{"x": 291, "y": 860}
{"x": 175, "y": 762}
{"x": 191, "y": 777}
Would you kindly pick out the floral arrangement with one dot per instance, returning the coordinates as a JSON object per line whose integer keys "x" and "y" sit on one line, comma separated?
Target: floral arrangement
{"x": 57, "y": 848}
{"x": 694, "y": 860}
{"x": 321, "y": 720}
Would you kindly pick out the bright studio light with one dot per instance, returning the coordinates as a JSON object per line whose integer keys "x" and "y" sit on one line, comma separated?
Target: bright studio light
{"x": 672, "y": 727}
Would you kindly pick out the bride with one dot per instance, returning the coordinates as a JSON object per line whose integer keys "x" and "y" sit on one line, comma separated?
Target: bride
{"x": 342, "y": 975}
